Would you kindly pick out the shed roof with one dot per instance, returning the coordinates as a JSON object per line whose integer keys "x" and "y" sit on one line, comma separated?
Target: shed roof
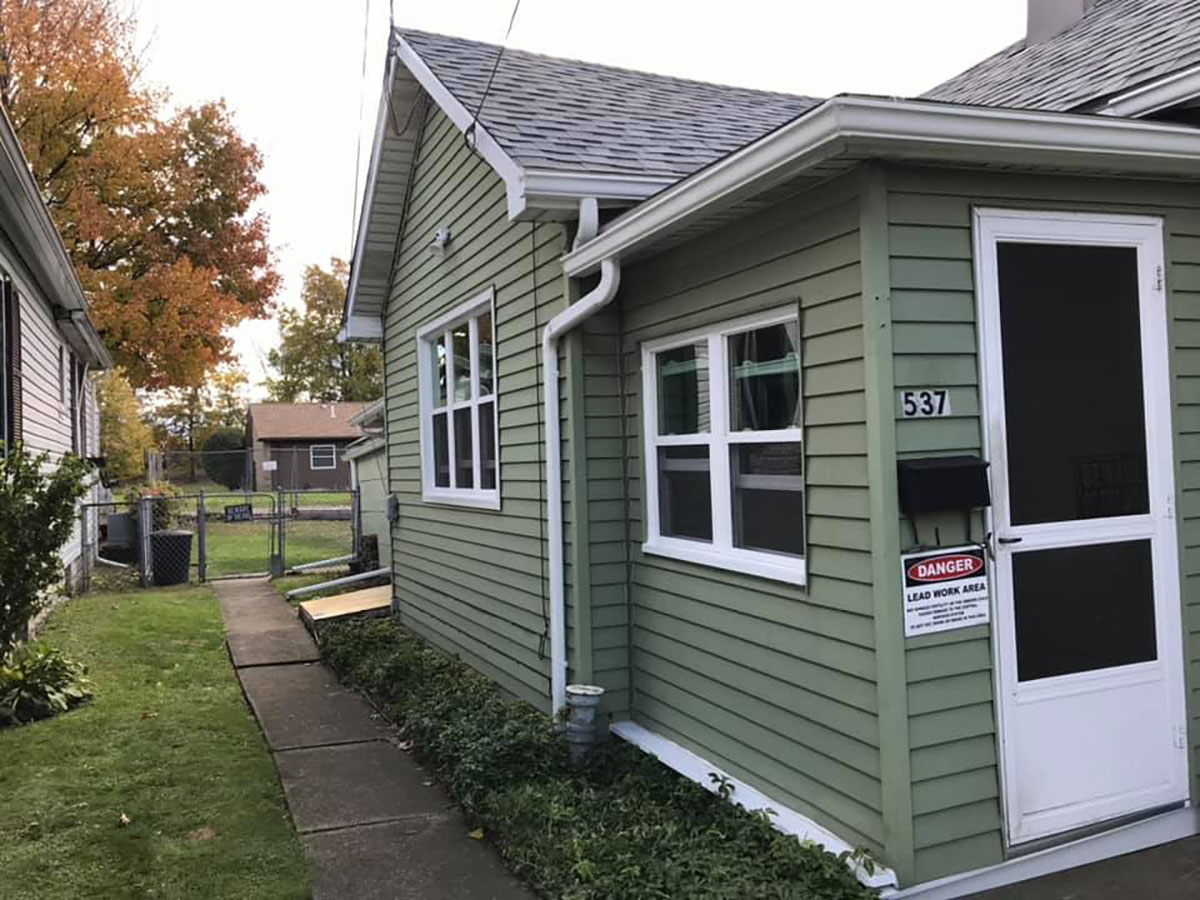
{"x": 279, "y": 421}
{"x": 563, "y": 114}
{"x": 1116, "y": 46}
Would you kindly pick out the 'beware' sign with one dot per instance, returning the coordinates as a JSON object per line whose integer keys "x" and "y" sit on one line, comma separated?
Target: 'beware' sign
{"x": 944, "y": 589}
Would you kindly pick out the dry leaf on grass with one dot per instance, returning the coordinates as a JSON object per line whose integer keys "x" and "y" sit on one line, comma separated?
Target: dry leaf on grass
{"x": 124, "y": 821}
{"x": 477, "y": 834}
{"x": 200, "y": 835}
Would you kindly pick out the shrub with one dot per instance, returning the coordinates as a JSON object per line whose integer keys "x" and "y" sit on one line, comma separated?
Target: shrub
{"x": 624, "y": 826}
{"x": 164, "y": 507}
{"x": 37, "y": 681}
{"x": 224, "y": 459}
{"x": 37, "y": 513}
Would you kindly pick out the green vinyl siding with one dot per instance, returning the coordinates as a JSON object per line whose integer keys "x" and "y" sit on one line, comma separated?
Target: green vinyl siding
{"x": 773, "y": 682}
{"x": 474, "y": 580}
{"x": 957, "y": 822}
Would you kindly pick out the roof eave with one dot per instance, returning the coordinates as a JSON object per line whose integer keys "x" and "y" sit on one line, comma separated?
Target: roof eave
{"x": 1154, "y": 96}
{"x": 910, "y": 130}
{"x": 360, "y": 238}
{"x": 27, "y": 222}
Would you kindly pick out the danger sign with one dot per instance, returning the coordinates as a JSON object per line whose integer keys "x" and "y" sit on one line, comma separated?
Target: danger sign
{"x": 944, "y": 589}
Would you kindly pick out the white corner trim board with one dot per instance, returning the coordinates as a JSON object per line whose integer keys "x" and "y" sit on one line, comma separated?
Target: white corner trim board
{"x": 789, "y": 821}
{"x": 1160, "y": 829}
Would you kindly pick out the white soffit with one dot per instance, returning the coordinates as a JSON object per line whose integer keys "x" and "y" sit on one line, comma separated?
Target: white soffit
{"x": 849, "y": 129}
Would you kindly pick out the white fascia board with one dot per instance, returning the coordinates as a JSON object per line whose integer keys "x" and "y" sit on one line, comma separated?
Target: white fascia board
{"x": 361, "y": 329}
{"x": 484, "y": 143}
{"x": 900, "y": 129}
{"x": 528, "y": 190}
{"x": 1155, "y": 96}
{"x": 364, "y": 447}
{"x": 789, "y": 821}
{"x": 364, "y": 215}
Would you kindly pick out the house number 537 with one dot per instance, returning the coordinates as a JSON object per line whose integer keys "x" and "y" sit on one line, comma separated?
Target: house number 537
{"x": 922, "y": 404}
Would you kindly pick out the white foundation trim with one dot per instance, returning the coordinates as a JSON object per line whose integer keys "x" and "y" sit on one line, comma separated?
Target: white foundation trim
{"x": 1161, "y": 829}
{"x": 789, "y": 821}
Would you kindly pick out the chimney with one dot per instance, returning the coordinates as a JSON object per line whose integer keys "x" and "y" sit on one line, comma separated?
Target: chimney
{"x": 1050, "y": 17}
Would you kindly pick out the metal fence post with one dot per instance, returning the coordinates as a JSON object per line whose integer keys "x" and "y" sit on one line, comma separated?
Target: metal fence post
{"x": 201, "y": 545}
{"x": 356, "y": 524}
{"x": 279, "y": 564}
{"x": 85, "y": 553}
{"x": 145, "y": 527}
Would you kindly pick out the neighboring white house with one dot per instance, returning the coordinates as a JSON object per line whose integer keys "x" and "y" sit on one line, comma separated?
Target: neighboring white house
{"x": 368, "y": 472}
{"x": 48, "y": 345}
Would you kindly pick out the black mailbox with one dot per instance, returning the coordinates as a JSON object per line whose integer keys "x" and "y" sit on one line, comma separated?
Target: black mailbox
{"x": 940, "y": 483}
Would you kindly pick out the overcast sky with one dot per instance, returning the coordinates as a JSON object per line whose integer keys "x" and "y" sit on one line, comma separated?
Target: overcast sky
{"x": 293, "y": 74}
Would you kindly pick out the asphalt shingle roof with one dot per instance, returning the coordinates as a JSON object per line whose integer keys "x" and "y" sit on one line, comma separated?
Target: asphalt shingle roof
{"x": 559, "y": 114}
{"x": 1117, "y": 45}
{"x": 278, "y": 421}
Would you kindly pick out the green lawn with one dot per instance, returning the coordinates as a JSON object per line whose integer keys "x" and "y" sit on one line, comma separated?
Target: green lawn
{"x": 242, "y": 548}
{"x": 216, "y": 497}
{"x": 169, "y": 742}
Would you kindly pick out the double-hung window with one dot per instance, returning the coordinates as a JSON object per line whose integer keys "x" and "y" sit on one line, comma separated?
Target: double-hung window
{"x": 457, "y": 382}
{"x": 322, "y": 456}
{"x": 724, "y": 446}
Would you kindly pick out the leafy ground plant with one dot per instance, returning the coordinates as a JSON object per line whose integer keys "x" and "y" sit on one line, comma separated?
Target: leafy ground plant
{"x": 37, "y": 682}
{"x": 623, "y": 827}
{"x": 168, "y": 744}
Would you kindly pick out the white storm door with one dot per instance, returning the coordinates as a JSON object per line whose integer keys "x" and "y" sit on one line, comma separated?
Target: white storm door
{"x": 1088, "y": 632}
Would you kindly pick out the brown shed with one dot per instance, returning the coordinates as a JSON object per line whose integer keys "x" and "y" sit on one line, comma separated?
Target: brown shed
{"x": 300, "y": 445}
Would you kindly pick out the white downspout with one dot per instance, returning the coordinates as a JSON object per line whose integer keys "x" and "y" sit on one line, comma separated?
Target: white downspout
{"x": 569, "y": 318}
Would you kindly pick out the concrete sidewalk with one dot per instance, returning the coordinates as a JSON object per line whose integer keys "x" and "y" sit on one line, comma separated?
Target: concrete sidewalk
{"x": 373, "y": 823}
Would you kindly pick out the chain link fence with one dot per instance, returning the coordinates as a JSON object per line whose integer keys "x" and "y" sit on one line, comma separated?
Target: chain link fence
{"x": 195, "y": 537}
{"x": 269, "y": 467}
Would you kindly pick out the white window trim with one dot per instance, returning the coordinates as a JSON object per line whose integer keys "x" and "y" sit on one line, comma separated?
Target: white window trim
{"x": 479, "y": 498}
{"x": 312, "y": 461}
{"x": 720, "y": 553}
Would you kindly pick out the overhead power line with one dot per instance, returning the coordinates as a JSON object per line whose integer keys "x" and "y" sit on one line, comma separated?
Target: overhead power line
{"x": 469, "y": 134}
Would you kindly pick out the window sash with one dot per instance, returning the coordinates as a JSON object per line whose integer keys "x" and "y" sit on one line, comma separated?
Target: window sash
{"x": 474, "y": 495}
{"x": 324, "y": 451}
{"x": 721, "y": 551}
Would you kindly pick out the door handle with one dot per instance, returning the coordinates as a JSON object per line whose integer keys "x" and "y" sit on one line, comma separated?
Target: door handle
{"x": 1009, "y": 540}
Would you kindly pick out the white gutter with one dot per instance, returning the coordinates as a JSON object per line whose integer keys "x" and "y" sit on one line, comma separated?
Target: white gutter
{"x": 911, "y": 130}
{"x": 575, "y": 314}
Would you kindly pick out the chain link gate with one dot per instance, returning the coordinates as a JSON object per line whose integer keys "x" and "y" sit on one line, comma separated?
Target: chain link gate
{"x": 162, "y": 540}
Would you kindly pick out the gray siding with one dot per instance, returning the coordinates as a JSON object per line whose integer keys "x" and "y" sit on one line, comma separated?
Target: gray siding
{"x": 956, "y": 785}
{"x": 772, "y": 682}
{"x": 371, "y": 478}
{"x": 473, "y": 581}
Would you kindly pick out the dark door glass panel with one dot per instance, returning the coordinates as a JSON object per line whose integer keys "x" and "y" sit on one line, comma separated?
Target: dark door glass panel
{"x": 764, "y": 378}
{"x": 684, "y": 493}
{"x": 1074, "y": 411}
{"x": 768, "y": 497}
{"x": 1083, "y": 608}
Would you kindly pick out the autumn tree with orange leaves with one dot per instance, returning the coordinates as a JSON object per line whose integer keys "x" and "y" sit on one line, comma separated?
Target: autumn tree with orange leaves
{"x": 155, "y": 209}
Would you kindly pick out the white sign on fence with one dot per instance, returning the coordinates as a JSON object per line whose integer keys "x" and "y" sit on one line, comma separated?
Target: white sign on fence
{"x": 944, "y": 589}
{"x": 270, "y": 465}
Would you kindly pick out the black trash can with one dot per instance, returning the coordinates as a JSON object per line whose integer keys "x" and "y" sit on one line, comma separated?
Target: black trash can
{"x": 171, "y": 553}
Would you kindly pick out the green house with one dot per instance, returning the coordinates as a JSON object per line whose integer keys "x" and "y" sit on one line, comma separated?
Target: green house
{"x": 851, "y": 445}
